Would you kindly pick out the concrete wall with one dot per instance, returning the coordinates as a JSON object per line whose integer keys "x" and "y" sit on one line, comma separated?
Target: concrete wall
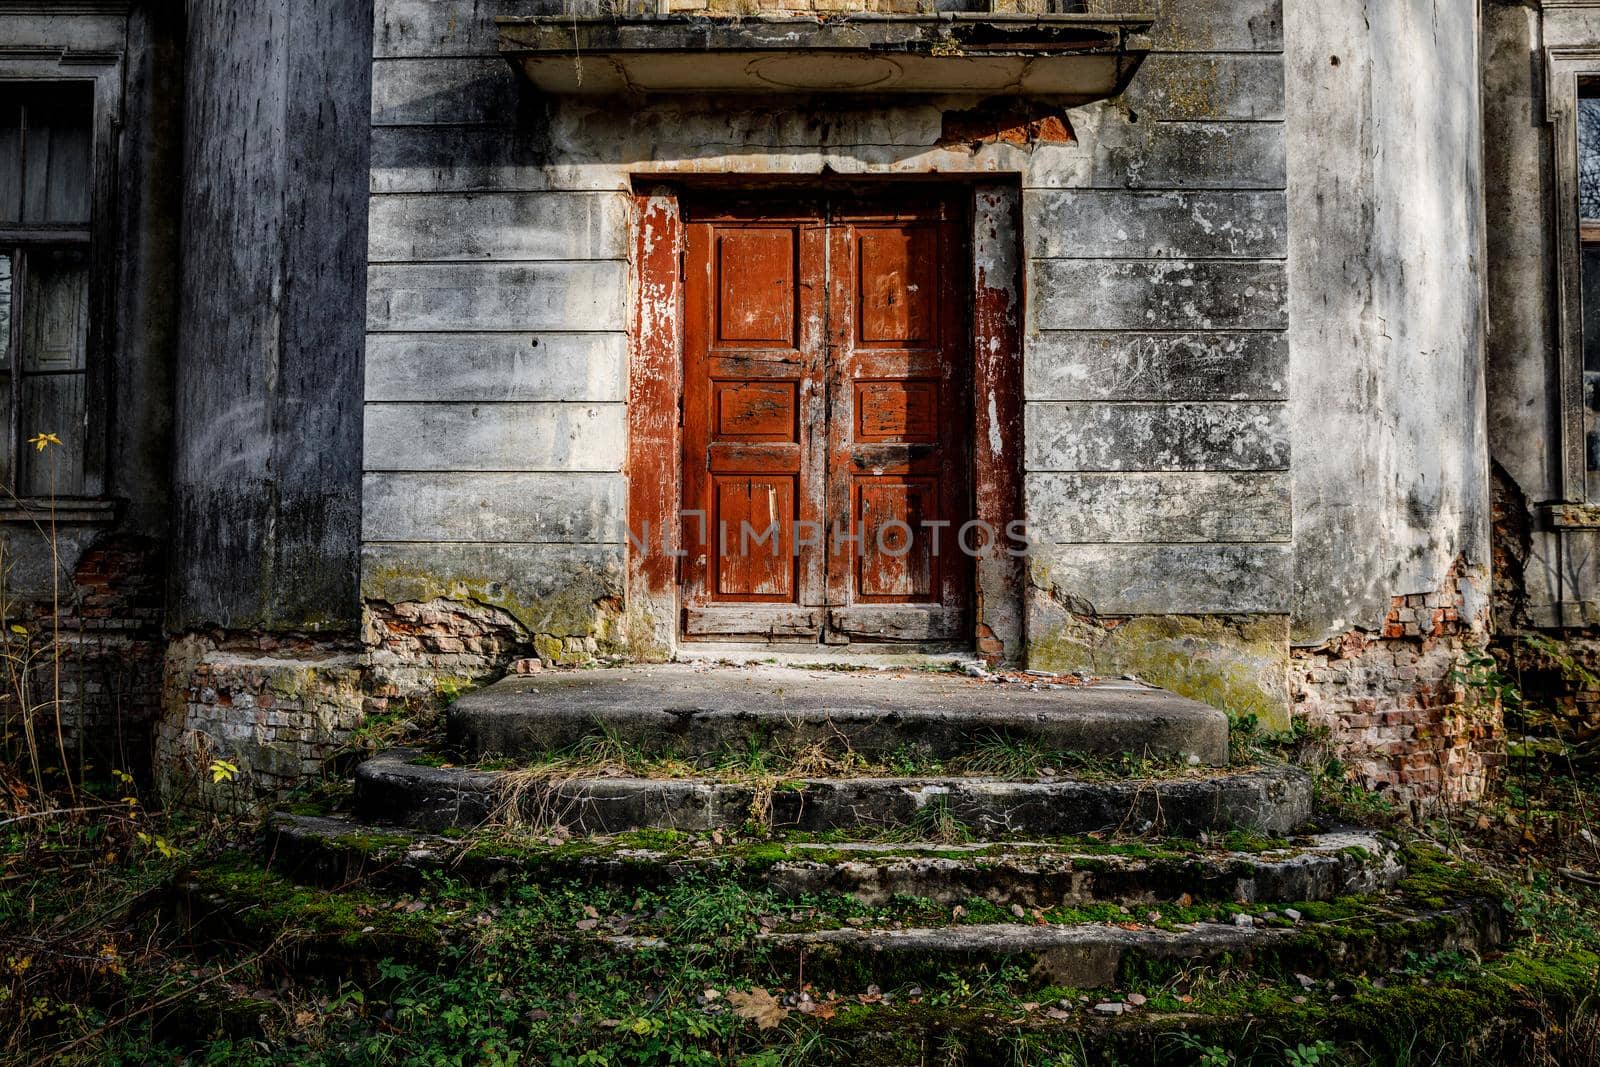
{"x": 1386, "y": 285}
{"x": 267, "y": 471}
{"x": 1390, "y": 475}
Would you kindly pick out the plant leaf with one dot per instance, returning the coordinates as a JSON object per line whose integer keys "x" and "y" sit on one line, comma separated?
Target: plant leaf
{"x": 760, "y": 1006}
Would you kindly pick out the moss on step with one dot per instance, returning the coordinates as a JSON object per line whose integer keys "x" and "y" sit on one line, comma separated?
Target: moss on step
{"x": 235, "y": 892}
{"x": 518, "y": 962}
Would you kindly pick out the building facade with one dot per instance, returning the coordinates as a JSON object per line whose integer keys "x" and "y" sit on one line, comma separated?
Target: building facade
{"x": 1234, "y": 344}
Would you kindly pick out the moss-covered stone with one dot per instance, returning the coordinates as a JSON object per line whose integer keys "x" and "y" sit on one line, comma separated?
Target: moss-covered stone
{"x": 1238, "y": 663}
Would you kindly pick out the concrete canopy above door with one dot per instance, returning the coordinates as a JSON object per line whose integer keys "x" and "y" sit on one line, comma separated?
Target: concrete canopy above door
{"x": 1071, "y": 58}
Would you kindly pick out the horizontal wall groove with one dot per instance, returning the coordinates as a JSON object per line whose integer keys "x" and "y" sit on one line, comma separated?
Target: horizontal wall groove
{"x": 1186, "y": 258}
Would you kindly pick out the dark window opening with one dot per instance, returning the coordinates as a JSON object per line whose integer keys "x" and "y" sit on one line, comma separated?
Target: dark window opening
{"x": 46, "y": 184}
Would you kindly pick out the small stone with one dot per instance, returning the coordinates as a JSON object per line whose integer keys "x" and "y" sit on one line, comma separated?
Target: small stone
{"x": 1305, "y": 980}
{"x": 527, "y": 666}
{"x": 1016, "y": 909}
{"x": 1064, "y": 1004}
{"x": 1109, "y": 1007}
{"x": 1292, "y": 915}
{"x": 1298, "y": 1000}
{"x": 1136, "y": 999}
{"x": 1243, "y": 921}
{"x": 1047, "y": 772}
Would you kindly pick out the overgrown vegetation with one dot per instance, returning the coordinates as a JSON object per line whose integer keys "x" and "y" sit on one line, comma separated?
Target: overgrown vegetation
{"x": 131, "y": 937}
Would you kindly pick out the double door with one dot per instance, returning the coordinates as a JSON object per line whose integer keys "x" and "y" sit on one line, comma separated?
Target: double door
{"x": 826, "y": 414}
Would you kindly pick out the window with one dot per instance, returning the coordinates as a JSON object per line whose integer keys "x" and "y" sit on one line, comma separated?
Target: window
{"x": 46, "y": 184}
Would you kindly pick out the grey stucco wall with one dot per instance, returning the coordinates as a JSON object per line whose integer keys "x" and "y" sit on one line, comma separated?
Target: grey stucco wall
{"x": 267, "y": 470}
{"x": 1385, "y": 270}
{"x": 498, "y": 301}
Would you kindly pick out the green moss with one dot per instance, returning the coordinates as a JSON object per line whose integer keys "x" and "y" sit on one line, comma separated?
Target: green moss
{"x": 574, "y": 609}
{"x": 1235, "y": 663}
{"x": 262, "y": 902}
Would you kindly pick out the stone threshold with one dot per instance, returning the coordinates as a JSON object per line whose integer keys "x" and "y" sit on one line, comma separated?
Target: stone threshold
{"x": 693, "y": 709}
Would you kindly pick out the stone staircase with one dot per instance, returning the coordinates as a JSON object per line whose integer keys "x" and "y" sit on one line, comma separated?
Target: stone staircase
{"x": 889, "y": 855}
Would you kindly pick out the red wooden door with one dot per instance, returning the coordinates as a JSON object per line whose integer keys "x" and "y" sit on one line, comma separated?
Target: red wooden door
{"x": 825, "y": 452}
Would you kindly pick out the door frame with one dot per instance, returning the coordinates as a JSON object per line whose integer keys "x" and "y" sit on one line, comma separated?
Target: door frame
{"x": 655, "y": 410}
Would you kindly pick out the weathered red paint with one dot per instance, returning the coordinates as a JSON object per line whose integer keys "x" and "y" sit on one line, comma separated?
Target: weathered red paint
{"x": 654, "y": 377}
{"x": 997, "y": 386}
{"x": 825, "y": 388}
{"x": 898, "y": 405}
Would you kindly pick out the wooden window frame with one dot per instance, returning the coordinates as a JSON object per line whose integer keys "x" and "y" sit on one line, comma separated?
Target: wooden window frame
{"x": 102, "y": 73}
{"x": 655, "y": 411}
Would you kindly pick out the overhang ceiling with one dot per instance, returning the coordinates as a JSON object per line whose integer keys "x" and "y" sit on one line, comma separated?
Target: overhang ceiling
{"x": 1074, "y": 58}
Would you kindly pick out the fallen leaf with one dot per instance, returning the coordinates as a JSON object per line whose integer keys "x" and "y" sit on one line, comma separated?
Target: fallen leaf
{"x": 588, "y": 924}
{"x": 760, "y": 1006}
{"x": 590, "y": 912}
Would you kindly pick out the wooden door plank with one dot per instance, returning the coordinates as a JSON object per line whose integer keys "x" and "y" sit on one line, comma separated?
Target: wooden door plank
{"x": 752, "y": 621}
{"x": 890, "y": 622}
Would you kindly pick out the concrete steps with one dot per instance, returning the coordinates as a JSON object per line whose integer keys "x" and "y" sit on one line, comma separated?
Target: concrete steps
{"x": 697, "y": 711}
{"x": 1047, "y": 915}
{"x": 340, "y": 850}
{"x": 1099, "y": 955}
{"x": 404, "y": 787}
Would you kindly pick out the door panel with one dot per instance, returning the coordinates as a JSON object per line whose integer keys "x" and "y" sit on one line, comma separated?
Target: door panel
{"x": 753, "y": 517}
{"x": 755, "y": 286}
{"x": 899, "y": 459}
{"x": 826, "y": 406}
{"x": 751, "y": 397}
{"x": 892, "y": 562}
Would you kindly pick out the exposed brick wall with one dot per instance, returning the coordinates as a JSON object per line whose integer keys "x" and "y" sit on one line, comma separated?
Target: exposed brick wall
{"x": 108, "y": 630}
{"x": 412, "y": 646}
{"x": 277, "y": 708}
{"x": 1399, "y": 721}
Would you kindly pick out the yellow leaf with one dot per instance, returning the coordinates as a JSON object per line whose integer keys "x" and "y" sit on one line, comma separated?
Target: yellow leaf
{"x": 41, "y": 441}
